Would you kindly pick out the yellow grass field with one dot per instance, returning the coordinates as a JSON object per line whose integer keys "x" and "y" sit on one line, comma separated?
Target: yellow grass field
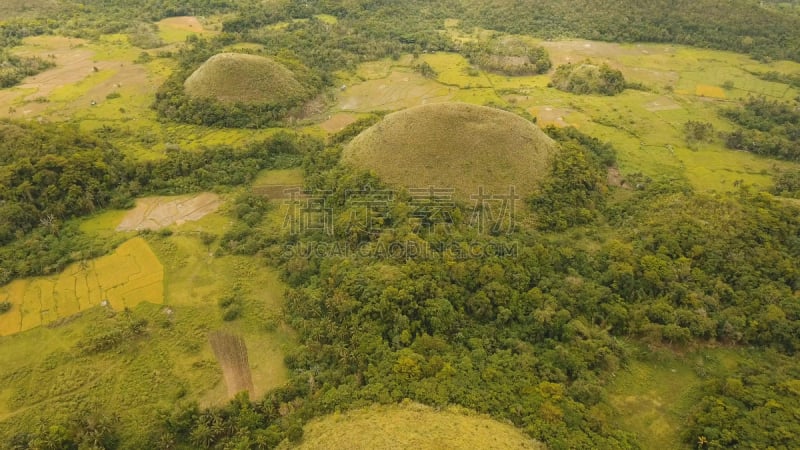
{"x": 705, "y": 90}
{"x": 131, "y": 275}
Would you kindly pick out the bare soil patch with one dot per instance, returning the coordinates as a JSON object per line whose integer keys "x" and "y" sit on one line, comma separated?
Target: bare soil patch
{"x": 616, "y": 179}
{"x": 231, "y": 352}
{"x": 74, "y": 64}
{"x": 153, "y": 213}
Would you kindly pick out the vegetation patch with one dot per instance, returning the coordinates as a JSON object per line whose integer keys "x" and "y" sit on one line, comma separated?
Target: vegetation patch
{"x": 235, "y": 89}
{"x": 14, "y": 68}
{"x": 588, "y": 78}
{"x": 509, "y": 55}
{"x": 411, "y": 425}
{"x": 454, "y": 145}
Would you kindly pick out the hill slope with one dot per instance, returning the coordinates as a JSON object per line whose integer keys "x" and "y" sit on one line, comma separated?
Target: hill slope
{"x": 454, "y": 145}
{"x": 237, "y": 77}
{"x": 411, "y": 426}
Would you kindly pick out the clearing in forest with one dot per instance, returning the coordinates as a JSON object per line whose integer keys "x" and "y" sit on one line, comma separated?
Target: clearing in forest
{"x": 153, "y": 213}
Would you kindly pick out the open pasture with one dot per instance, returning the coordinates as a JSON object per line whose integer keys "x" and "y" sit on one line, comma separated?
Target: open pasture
{"x": 401, "y": 89}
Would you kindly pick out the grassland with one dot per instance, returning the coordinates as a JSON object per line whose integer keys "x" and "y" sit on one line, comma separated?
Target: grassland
{"x": 44, "y": 368}
{"x": 127, "y": 277}
{"x": 455, "y": 145}
{"x": 400, "y": 88}
{"x": 410, "y": 425}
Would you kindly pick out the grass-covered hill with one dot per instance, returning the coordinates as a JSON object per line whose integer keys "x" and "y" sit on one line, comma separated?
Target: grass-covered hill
{"x": 454, "y": 145}
{"x": 243, "y": 78}
{"x": 411, "y": 425}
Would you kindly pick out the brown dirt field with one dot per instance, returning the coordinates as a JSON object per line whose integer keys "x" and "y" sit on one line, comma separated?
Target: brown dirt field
{"x": 153, "y": 213}
{"x": 337, "y": 122}
{"x": 74, "y": 63}
{"x": 231, "y": 353}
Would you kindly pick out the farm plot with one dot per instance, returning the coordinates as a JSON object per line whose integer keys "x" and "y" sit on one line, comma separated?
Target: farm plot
{"x": 153, "y": 213}
{"x": 131, "y": 275}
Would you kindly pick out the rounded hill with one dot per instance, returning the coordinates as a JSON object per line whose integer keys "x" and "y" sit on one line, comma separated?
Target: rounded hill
{"x": 242, "y": 78}
{"x": 414, "y": 426}
{"x": 454, "y": 145}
